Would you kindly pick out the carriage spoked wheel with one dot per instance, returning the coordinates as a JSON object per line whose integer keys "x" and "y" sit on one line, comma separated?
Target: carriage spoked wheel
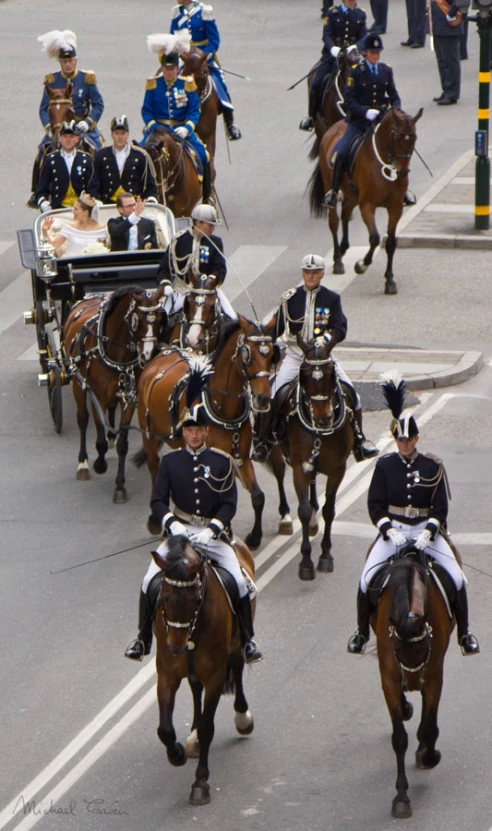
{"x": 41, "y": 335}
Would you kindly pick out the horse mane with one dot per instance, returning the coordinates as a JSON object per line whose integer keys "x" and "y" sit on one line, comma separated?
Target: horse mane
{"x": 174, "y": 558}
{"x": 119, "y": 294}
{"x": 400, "y": 585}
{"x": 226, "y": 332}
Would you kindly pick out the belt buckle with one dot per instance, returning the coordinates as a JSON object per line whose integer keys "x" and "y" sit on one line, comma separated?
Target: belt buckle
{"x": 412, "y": 513}
{"x": 197, "y": 520}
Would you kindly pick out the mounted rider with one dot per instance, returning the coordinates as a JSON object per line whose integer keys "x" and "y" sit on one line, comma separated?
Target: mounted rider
{"x": 370, "y": 89}
{"x": 172, "y": 102}
{"x": 200, "y": 482}
{"x": 344, "y": 26}
{"x": 310, "y": 310}
{"x": 87, "y": 101}
{"x": 408, "y": 499}
{"x": 199, "y": 20}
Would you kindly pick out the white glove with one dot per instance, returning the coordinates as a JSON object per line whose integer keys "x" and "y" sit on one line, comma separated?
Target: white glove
{"x": 423, "y": 539}
{"x": 178, "y": 528}
{"x": 372, "y": 114}
{"x": 181, "y": 132}
{"x": 44, "y": 206}
{"x": 203, "y": 537}
{"x": 335, "y": 50}
{"x": 82, "y": 127}
{"x": 396, "y": 537}
{"x": 167, "y": 290}
{"x": 151, "y": 200}
{"x": 352, "y": 48}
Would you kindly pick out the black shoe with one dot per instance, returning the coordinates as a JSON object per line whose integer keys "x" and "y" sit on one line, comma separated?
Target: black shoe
{"x": 357, "y": 644}
{"x": 307, "y": 123}
{"x": 361, "y": 452}
{"x": 469, "y": 644}
{"x": 136, "y": 650}
{"x": 406, "y": 42}
{"x": 417, "y": 45}
{"x": 31, "y": 202}
{"x": 445, "y": 101}
{"x": 260, "y": 453}
{"x": 233, "y": 133}
{"x": 252, "y": 654}
{"x": 438, "y": 98}
{"x": 377, "y": 30}
{"x": 330, "y": 199}
{"x": 409, "y": 198}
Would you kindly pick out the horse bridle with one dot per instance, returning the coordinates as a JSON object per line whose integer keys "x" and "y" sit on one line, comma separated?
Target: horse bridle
{"x": 394, "y": 173}
{"x": 57, "y": 102}
{"x": 190, "y": 624}
{"x": 132, "y": 320}
{"x": 319, "y": 364}
{"x": 201, "y": 295}
{"x": 427, "y": 633}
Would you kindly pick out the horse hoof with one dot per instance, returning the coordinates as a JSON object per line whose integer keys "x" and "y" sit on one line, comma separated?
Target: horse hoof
{"x": 177, "y": 755}
{"x": 426, "y": 759}
{"x": 338, "y": 268}
{"x": 326, "y": 564}
{"x": 401, "y": 810}
{"x": 407, "y": 711}
{"x": 307, "y": 572}
{"x": 286, "y": 527}
{"x": 390, "y": 287}
{"x": 83, "y": 475}
{"x": 153, "y": 527}
{"x": 252, "y": 541}
{"x": 192, "y": 746}
{"x": 244, "y": 723}
{"x": 313, "y": 530}
{"x": 100, "y": 466}
{"x": 200, "y": 795}
{"x": 360, "y": 267}
{"x": 120, "y": 496}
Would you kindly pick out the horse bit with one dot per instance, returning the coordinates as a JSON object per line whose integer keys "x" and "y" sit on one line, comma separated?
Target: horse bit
{"x": 191, "y": 624}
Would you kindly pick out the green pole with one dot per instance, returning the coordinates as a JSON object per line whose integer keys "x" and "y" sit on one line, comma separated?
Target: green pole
{"x": 482, "y": 164}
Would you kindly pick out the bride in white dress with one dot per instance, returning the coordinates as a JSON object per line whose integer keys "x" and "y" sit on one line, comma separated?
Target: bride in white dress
{"x": 76, "y": 236}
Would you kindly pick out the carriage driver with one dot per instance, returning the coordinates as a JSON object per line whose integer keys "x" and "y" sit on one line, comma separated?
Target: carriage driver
{"x": 370, "y": 89}
{"x": 200, "y": 481}
{"x": 408, "y": 499}
{"x": 344, "y": 25}
{"x": 309, "y": 310}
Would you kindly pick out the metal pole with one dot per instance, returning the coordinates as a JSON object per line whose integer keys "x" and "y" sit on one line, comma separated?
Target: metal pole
{"x": 482, "y": 164}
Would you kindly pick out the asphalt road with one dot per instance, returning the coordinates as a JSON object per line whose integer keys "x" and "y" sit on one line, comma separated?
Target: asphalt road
{"x": 78, "y": 721}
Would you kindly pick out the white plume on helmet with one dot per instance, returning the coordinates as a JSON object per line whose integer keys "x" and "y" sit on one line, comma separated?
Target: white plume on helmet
{"x": 53, "y": 41}
{"x": 164, "y": 44}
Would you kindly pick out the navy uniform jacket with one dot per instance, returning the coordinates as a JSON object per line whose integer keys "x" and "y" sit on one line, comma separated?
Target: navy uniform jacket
{"x": 211, "y": 260}
{"x": 365, "y": 91}
{"x": 199, "y": 20}
{"x": 54, "y": 180}
{"x": 88, "y": 104}
{"x": 201, "y": 484}
{"x": 400, "y": 482}
{"x": 137, "y": 176}
{"x": 343, "y": 28}
{"x": 442, "y": 27}
{"x": 322, "y": 306}
{"x": 119, "y": 231}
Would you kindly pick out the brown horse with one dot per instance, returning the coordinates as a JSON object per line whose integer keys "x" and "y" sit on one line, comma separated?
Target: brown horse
{"x": 196, "y": 65}
{"x": 331, "y": 108}
{"x": 200, "y": 325}
{"x": 197, "y": 638}
{"x": 379, "y": 178}
{"x": 178, "y": 184}
{"x": 315, "y": 436}
{"x": 107, "y": 342}
{"x": 413, "y": 627}
{"x": 238, "y": 385}
{"x": 60, "y": 109}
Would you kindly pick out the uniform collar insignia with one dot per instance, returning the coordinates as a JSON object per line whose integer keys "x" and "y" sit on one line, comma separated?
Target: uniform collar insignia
{"x": 409, "y": 459}
{"x": 196, "y": 452}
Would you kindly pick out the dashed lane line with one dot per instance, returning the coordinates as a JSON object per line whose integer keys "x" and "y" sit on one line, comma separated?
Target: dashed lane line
{"x": 14, "y": 300}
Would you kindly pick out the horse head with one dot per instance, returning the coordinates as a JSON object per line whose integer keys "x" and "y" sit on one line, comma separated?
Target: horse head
{"x": 195, "y": 63}
{"x": 255, "y": 354}
{"x": 409, "y": 628}
{"x": 398, "y": 136}
{"x": 201, "y": 313}
{"x": 132, "y": 319}
{"x": 60, "y": 107}
{"x": 181, "y": 591}
{"x": 318, "y": 380}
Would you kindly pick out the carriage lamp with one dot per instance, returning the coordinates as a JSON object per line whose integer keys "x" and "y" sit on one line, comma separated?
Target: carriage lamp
{"x": 46, "y": 264}
{"x": 481, "y": 5}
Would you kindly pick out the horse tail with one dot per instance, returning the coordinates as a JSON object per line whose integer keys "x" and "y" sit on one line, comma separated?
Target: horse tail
{"x": 139, "y": 458}
{"x": 316, "y": 192}
{"x": 314, "y": 151}
{"x": 229, "y": 687}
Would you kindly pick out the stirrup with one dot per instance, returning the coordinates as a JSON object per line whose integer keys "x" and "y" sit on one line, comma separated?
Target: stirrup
{"x": 469, "y": 644}
{"x": 260, "y": 453}
{"x": 252, "y": 653}
{"x": 361, "y": 452}
{"x": 357, "y": 643}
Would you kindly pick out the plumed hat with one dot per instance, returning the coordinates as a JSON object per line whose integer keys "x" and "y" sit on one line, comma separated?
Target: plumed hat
{"x": 120, "y": 122}
{"x": 169, "y": 47}
{"x": 69, "y": 128}
{"x": 194, "y": 412}
{"x": 394, "y": 390}
{"x": 59, "y": 44}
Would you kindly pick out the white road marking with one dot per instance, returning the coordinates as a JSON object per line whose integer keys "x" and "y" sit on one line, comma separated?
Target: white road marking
{"x": 4, "y": 246}
{"x": 339, "y": 282}
{"x": 30, "y": 354}
{"x": 446, "y": 208}
{"x": 249, "y": 261}
{"x": 14, "y": 300}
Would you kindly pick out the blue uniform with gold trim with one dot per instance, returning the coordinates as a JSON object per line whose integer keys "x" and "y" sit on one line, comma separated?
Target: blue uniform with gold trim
{"x": 199, "y": 20}
{"x": 88, "y": 104}
{"x": 55, "y": 179}
{"x": 172, "y": 105}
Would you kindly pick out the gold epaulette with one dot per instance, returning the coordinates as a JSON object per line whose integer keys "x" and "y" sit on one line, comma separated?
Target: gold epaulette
{"x": 190, "y": 85}
{"x": 89, "y": 76}
{"x": 288, "y": 294}
{"x": 48, "y": 79}
{"x": 151, "y": 83}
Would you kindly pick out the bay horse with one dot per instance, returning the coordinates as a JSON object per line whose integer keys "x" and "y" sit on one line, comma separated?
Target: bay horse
{"x": 200, "y": 324}
{"x": 107, "y": 341}
{"x": 331, "y": 108}
{"x": 238, "y": 386}
{"x": 195, "y": 63}
{"x": 412, "y": 626}
{"x": 315, "y": 436}
{"x": 378, "y": 179}
{"x": 60, "y": 109}
{"x": 197, "y": 638}
{"x": 178, "y": 184}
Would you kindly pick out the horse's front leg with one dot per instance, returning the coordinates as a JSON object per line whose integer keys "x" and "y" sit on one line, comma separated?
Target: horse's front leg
{"x": 151, "y": 453}
{"x": 192, "y": 744}
{"x": 427, "y": 756}
{"x": 301, "y": 484}
{"x": 248, "y": 478}
{"x": 200, "y": 790}
{"x": 368, "y": 213}
{"x": 313, "y": 501}
{"x": 325, "y": 562}
{"x": 277, "y": 462}
{"x": 120, "y": 494}
{"x": 167, "y": 687}
{"x": 100, "y": 464}
{"x": 83, "y": 472}
{"x": 394, "y": 214}
{"x": 392, "y": 689}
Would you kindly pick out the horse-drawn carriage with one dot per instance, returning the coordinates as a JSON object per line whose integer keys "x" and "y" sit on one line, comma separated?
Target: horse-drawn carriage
{"x": 60, "y": 282}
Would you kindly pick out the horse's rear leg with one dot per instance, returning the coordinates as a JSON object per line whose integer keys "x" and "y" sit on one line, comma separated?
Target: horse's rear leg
{"x": 100, "y": 464}
{"x": 325, "y": 562}
{"x": 243, "y": 719}
{"x": 338, "y": 266}
{"x": 348, "y": 206}
{"x": 167, "y": 687}
{"x": 112, "y": 425}
{"x": 427, "y": 756}
{"x": 301, "y": 484}
{"x": 151, "y": 450}
{"x": 368, "y": 213}
{"x": 393, "y": 219}
{"x": 200, "y": 790}
{"x": 277, "y": 463}
{"x": 83, "y": 472}
{"x": 120, "y": 494}
{"x": 248, "y": 478}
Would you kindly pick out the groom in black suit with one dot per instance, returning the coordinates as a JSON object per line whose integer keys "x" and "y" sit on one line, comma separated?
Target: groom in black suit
{"x": 131, "y": 231}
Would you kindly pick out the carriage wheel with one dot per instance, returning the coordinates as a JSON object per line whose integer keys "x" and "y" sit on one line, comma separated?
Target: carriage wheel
{"x": 41, "y": 335}
{"x": 55, "y": 398}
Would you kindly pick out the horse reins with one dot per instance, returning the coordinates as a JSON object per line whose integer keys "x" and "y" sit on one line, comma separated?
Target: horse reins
{"x": 393, "y": 172}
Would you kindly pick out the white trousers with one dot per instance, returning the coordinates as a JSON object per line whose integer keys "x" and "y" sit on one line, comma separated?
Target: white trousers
{"x": 438, "y": 549}
{"x": 223, "y": 554}
{"x": 174, "y": 303}
{"x": 289, "y": 370}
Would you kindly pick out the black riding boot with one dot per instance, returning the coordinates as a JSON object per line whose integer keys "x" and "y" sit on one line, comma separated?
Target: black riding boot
{"x": 330, "y": 198}
{"x": 467, "y": 641}
{"x": 261, "y": 436}
{"x": 357, "y": 643}
{"x": 361, "y": 451}
{"x": 36, "y": 170}
{"x": 206, "y": 184}
{"x": 252, "y": 653}
{"x": 143, "y": 643}
{"x": 233, "y": 132}
{"x": 308, "y": 122}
